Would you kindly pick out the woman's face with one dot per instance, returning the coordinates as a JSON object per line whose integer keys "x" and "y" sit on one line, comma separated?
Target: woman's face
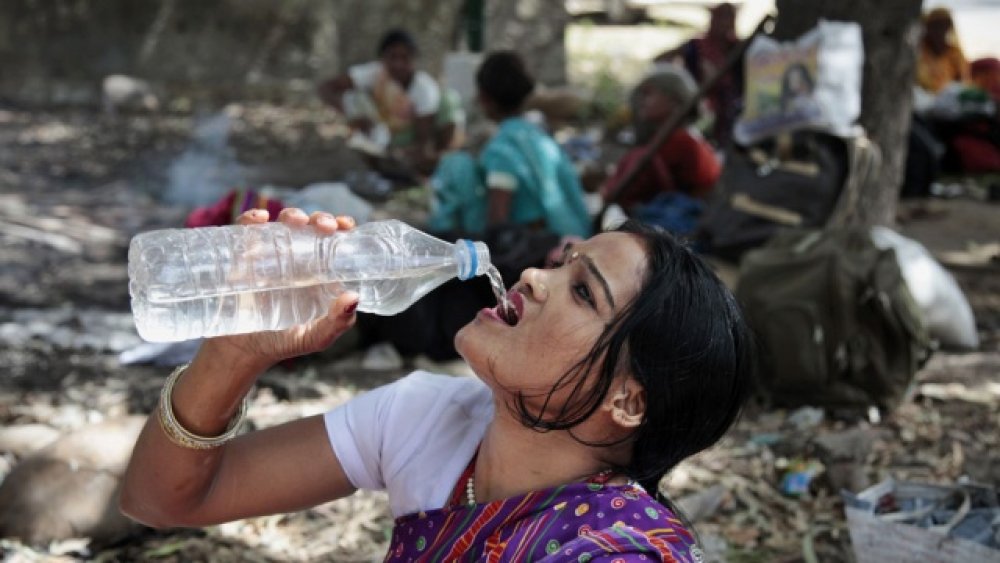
{"x": 654, "y": 105}
{"x": 560, "y": 314}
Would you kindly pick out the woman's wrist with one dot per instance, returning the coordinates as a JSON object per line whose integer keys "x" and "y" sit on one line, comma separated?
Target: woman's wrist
{"x": 210, "y": 391}
{"x": 230, "y": 360}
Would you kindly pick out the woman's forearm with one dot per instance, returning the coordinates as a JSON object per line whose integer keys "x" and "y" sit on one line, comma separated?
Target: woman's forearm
{"x": 165, "y": 483}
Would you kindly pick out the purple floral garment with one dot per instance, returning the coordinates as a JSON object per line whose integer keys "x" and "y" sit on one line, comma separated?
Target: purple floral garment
{"x": 586, "y": 521}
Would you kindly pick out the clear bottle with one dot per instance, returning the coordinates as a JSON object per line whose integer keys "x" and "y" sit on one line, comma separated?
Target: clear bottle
{"x": 212, "y": 281}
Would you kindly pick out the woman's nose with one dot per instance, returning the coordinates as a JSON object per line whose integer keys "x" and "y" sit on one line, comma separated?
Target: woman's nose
{"x": 535, "y": 280}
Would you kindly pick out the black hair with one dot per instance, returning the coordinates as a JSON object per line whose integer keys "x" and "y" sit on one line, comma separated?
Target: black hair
{"x": 684, "y": 339}
{"x": 504, "y": 79}
{"x": 786, "y": 83}
{"x": 397, "y": 36}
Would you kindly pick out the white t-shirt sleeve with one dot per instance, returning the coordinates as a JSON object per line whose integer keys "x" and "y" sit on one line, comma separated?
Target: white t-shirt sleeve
{"x": 425, "y": 94}
{"x": 355, "y": 431}
{"x": 364, "y": 75}
{"x": 412, "y": 438}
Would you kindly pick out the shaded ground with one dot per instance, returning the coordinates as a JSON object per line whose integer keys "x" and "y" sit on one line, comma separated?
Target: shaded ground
{"x": 74, "y": 187}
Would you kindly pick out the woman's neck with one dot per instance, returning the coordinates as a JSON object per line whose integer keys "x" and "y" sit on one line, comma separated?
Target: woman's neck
{"x": 500, "y": 117}
{"x": 514, "y": 460}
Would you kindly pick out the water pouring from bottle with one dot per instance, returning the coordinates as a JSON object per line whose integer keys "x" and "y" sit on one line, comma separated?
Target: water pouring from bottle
{"x": 506, "y": 309}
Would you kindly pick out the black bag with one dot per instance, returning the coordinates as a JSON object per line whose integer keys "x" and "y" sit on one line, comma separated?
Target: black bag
{"x": 792, "y": 181}
{"x": 836, "y": 323}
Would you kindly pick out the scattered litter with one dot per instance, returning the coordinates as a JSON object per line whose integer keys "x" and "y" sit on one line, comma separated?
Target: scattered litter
{"x": 903, "y": 521}
{"x": 699, "y": 506}
{"x": 805, "y": 418}
{"x": 799, "y": 476}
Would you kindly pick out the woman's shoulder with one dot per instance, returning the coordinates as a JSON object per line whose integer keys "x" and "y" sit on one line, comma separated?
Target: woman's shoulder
{"x": 514, "y": 136}
{"x": 436, "y": 387}
{"x": 626, "y": 519}
{"x": 597, "y": 522}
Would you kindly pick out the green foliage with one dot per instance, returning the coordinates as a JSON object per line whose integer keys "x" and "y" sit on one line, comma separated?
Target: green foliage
{"x": 609, "y": 94}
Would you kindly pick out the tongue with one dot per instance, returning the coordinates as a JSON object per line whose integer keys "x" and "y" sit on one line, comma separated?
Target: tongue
{"x": 508, "y": 314}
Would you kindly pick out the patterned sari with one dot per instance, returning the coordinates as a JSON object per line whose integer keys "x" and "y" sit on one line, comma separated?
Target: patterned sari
{"x": 579, "y": 522}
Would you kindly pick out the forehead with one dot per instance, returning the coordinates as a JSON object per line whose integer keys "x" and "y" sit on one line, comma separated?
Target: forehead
{"x": 621, "y": 259}
{"x": 397, "y": 50}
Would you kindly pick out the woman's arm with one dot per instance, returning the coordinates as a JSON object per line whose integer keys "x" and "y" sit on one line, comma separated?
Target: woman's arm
{"x": 280, "y": 469}
{"x": 284, "y": 468}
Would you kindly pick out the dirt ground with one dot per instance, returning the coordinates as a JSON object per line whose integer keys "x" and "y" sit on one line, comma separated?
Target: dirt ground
{"x": 75, "y": 186}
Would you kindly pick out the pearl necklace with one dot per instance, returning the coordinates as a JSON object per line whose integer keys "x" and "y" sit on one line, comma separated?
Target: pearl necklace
{"x": 470, "y": 491}
{"x": 470, "y": 486}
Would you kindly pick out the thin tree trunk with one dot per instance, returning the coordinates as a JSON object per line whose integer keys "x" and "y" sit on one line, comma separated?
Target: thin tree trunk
{"x": 889, "y": 29}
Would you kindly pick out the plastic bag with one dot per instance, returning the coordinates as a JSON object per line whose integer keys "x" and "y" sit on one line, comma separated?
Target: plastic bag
{"x": 811, "y": 83}
{"x": 946, "y": 311}
{"x": 895, "y": 522}
{"x": 332, "y": 197}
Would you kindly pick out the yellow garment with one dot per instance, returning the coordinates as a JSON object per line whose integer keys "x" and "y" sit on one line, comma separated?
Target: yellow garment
{"x": 393, "y": 104}
{"x": 934, "y": 72}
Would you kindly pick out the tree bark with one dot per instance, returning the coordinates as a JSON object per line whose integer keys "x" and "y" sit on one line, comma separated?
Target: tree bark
{"x": 889, "y": 30}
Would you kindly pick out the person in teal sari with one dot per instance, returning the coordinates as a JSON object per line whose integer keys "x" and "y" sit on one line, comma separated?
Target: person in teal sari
{"x": 521, "y": 177}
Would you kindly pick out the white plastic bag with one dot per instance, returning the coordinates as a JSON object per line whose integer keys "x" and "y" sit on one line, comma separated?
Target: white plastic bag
{"x": 811, "y": 83}
{"x": 332, "y": 197}
{"x": 946, "y": 312}
{"x": 879, "y": 538}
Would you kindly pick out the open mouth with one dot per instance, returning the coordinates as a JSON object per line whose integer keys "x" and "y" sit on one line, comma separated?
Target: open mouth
{"x": 511, "y": 314}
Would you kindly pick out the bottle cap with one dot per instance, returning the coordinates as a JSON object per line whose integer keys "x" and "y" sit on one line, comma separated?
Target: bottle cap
{"x": 473, "y": 258}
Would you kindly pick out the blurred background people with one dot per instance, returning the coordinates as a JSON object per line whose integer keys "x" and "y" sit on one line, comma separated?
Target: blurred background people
{"x": 396, "y": 104}
{"x": 685, "y": 163}
{"x": 940, "y": 59}
{"x": 703, "y": 57}
{"x": 521, "y": 177}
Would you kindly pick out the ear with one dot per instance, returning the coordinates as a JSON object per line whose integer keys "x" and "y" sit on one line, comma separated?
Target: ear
{"x": 627, "y": 403}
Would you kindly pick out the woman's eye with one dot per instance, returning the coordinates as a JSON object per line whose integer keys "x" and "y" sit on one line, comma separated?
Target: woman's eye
{"x": 583, "y": 292}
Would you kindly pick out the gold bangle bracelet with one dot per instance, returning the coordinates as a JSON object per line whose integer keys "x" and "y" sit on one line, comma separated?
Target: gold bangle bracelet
{"x": 184, "y": 437}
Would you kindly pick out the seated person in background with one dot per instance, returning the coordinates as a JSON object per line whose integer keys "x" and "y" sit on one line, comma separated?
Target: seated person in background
{"x": 396, "y": 104}
{"x": 521, "y": 176}
{"x": 940, "y": 60}
{"x": 626, "y": 358}
{"x": 985, "y": 74}
{"x": 702, "y": 57}
{"x": 971, "y": 137}
{"x": 685, "y": 163}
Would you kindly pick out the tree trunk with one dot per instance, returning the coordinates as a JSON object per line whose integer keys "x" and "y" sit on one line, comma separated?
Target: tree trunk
{"x": 533, "y": 28}
{"x": 889, "y": 29}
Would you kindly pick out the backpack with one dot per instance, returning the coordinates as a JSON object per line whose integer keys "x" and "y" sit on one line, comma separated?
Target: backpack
{"x": 835, "y": 321}
{"x": 792, "y": 181}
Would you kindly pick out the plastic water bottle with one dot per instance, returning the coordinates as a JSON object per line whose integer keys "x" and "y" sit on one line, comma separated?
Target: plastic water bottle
{"x": 212, "y": 281}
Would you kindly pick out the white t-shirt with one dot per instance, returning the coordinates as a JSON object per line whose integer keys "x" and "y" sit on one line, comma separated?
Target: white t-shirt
{"x": 412, "y": 438}
{"x": 423, "y": 92}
